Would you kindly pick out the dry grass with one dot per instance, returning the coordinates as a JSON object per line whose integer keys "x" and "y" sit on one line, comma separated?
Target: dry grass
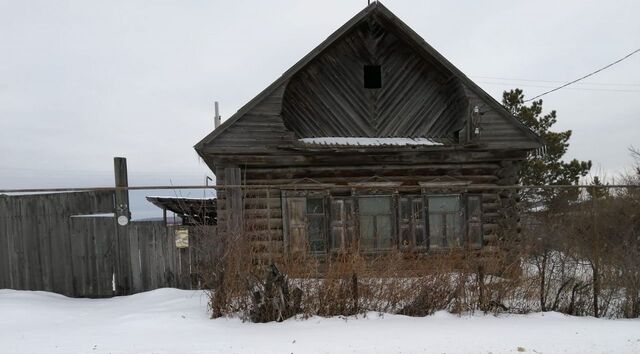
{"x": 579, "y": 260}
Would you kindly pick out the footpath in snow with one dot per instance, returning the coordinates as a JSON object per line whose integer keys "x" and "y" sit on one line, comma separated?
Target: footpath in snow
{"x": 176, "y": 321}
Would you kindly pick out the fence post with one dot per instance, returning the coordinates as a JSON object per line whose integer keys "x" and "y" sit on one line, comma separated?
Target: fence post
{"x": 121, "y": 208}
{"x": 122, "y": 180}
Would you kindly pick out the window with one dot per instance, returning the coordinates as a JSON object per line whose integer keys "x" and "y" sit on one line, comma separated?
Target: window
{"x": 342, "y": 223}
{"x": 445, "y": 221}
{"x": 317, "y": 223}
{"x": 375, "y": 223}
{"x": 411, "y": 222}
{"x": 306, "y": 224}
{"x": 297, "y": 224}
{"x": 372, "y": 77}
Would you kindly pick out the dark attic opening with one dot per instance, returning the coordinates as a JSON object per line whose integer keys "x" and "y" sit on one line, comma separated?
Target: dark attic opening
{"x": 372, "y": 77}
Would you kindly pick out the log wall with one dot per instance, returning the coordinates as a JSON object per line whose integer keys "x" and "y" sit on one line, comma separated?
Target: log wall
{"x": 262, "y": 207}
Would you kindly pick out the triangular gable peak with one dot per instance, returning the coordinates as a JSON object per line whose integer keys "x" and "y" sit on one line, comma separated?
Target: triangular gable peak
{"x": 413, "y": 92}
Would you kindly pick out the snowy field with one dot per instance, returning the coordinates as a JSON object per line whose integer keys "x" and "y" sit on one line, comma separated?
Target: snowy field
{"x": 176, "y": 321}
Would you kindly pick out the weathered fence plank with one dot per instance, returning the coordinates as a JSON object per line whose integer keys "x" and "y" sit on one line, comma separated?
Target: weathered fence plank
{"x": 47, "y": 242}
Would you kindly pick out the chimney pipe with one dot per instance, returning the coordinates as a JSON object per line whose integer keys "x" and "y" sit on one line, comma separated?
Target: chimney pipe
{"x": 216, "y": 118}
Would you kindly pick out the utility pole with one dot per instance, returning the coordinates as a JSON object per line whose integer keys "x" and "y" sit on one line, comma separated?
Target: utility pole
{"x": 217, "y": 120}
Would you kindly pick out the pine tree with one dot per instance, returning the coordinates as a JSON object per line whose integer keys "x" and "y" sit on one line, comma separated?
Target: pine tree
{"x": 547, "y": 168}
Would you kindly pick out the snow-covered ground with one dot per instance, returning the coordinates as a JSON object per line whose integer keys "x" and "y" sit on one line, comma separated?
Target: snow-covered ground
{"x": 176, "y": 321}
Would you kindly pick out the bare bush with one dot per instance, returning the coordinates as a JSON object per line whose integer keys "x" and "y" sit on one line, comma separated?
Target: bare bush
{"x": 578, "y": 257}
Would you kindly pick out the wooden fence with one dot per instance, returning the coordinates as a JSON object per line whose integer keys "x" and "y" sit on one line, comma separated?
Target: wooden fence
{"x": 47, "y": 242}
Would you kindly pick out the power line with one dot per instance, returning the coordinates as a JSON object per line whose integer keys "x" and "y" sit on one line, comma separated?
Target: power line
{"x": 571, "y": 88}
{"x": 584, "y": 77}
{"x": 557, "y": 82}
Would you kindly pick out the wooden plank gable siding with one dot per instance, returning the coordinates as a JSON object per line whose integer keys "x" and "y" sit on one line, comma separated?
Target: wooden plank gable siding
{"x": 497, "y": 129}
{"x": 328, "y": 96}
{"x": 262, "y": 127}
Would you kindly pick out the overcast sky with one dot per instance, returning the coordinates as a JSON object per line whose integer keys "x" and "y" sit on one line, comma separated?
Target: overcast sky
{"x": 84, "y": 81}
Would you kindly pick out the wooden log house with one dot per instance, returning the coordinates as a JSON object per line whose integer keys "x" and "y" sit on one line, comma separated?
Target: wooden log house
{"x": 374, "y": 141}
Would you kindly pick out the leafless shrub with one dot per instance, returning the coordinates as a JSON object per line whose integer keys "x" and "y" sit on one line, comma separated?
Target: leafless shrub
{"x": 578, "y": 258}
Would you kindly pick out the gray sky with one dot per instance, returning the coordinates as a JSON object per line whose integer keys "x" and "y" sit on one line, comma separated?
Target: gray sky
{"x": 83, "y": 81}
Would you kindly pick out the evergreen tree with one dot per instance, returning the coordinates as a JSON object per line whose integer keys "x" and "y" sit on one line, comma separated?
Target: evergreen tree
{"x": 547, "y": 168}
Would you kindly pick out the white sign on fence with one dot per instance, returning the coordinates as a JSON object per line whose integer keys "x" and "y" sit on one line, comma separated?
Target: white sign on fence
{"x": 182, "y": 237}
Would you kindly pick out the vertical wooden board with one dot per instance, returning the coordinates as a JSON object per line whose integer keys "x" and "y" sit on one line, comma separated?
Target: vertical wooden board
{"x": 171, "y": 257}
{"x": 60, "y": 258}
{"x": 166, "y": 258}
{"x": 143, "y": 247}
{"x": 22, "y": 245}
{"x": 46, "y": 235}
{"x": 149, "y": 263}
{"x": 161, "y": 255}
{"x": 135, "y": 262}
{"x": 110, "y": 255}
{"x": 123, "y": 269}
{"x": 5, "y": 271}
{"x": 102, "y": 248}
{"x": 63, "y": 243}
{"x": 185, "y": 274}
{"x": 12, "y": 248}
{"x": 79, "y": 259}
{"x": 92, "y": 260}
{"x": 67, "y": 273}
{"x": 156, "y": 257}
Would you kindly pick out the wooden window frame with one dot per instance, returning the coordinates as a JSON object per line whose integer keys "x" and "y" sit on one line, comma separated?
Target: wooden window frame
{"x": 286, "y": 197}
{"x": 462, "y": 220}
{"x": 412, "y": 223}
{"x": 392, "y": 223}
{"x": 468, "y": 221}
{"x": 345, "y": 225}
{"x": 350, "y": 227}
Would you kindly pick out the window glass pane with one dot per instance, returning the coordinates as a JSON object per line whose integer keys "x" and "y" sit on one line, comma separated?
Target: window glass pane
{"x": 436, "y": 230}
{"x": 336, "y": 210}
{"x": 315, "y": 206}
{"x": 405, "y": 209}
{"x": 453, "y": 229}
{"x": 454, "y": 223}
{"x": 383, "y": 234}
{"x": 316, "y": 233}
{"x": 367, "y": 230}
{"x": 374, "y": 205}
{"x": 444, "y": 204}
{"x": 418, "y": 209}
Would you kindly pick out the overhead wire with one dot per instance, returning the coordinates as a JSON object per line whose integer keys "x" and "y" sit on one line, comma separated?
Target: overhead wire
{"x": 584, "y": 77}
{"x": 556, "y": 81}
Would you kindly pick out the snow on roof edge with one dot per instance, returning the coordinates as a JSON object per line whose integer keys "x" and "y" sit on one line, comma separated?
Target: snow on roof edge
{"x": 365, "y": 141}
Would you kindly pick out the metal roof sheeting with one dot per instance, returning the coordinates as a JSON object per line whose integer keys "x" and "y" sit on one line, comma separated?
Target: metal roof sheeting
{"x": 353, "y": 141}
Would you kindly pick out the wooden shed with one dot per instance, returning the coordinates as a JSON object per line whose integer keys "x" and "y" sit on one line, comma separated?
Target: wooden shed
{"x": 372, "y": 141}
